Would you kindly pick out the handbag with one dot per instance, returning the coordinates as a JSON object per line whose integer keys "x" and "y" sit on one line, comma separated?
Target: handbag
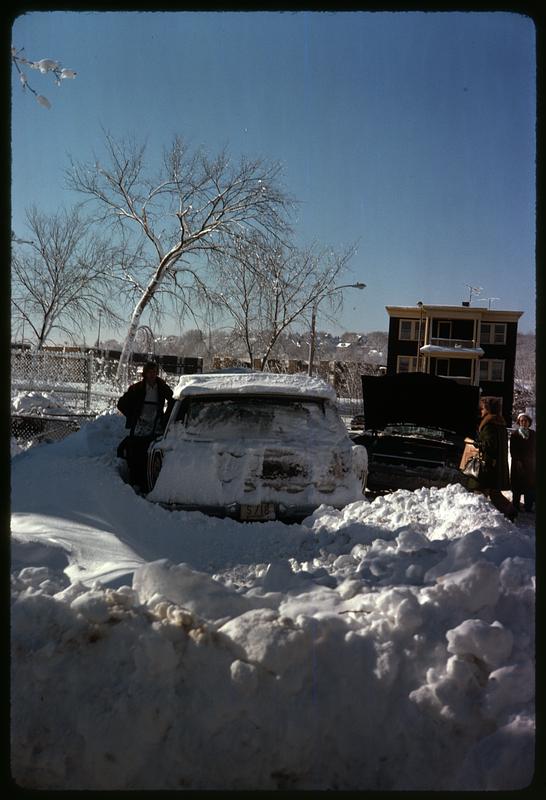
{"x": 473, "y": 467}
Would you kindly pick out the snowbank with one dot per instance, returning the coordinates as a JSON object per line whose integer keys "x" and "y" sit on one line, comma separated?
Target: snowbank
{"x": 386, "y": 646}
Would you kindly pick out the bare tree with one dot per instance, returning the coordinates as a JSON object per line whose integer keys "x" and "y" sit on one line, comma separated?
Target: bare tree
{"x": 265, "y": 286}
{"x": 44, "y": 66}
{"x": 60, "y": 276}
{"x": 192, "y": 207}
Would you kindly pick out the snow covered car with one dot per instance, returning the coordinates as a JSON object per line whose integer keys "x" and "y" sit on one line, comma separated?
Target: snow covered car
{"x": 414, "y": 429}
{"x": 255, "y": 446}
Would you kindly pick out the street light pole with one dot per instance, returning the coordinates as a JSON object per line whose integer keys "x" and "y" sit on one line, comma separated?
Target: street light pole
{"x": 312, "y": 339}
{"x": 98, "y": 334}
{"x": 420, "y": 306}
{"x": 314, "y": 319}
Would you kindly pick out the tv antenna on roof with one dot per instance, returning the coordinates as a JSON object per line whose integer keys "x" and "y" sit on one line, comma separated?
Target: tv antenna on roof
{"x": 473, "y": 290}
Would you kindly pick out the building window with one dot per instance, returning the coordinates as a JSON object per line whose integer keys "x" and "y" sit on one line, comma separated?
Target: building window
{"x": 493, "y": 333}
{"x": 409, "y": 330}
{"x": 491, "y": 370}
{"x": 442, "y": 329}
{"x": 406, "y": 364}
{"x": 458, "y": 368}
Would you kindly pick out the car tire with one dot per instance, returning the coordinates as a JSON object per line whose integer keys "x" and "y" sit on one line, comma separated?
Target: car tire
{"x": 154, "y": 469}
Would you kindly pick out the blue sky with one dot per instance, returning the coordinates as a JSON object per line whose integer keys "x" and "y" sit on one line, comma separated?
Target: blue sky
{"x": 410, "y": 134}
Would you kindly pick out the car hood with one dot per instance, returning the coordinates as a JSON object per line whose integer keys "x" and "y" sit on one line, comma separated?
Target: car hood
{"x": 419, "y": 399}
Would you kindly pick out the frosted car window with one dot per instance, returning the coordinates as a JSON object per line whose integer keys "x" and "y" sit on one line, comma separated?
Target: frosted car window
{"x": 250, "y": 417}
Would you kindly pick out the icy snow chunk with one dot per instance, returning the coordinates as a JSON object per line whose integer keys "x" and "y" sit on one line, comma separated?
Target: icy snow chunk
{"x": 124, "y": 596}
{"x": 460, "y": 553}
{"x": 72, "y": 591}
{"x": 349, "y": 588}
{"x": 244, "y": 630}
{"x": 466, "y": 672}
{"x": 278, "y": 576}
{"x": 456, "y": 692}
{"x": 186, "y": 587}
{"x": 471, "y": 588}
{"x": 414, "y": 573}
{"x": 402, "y": 607}
{"x": 411, "y": 540}
{"x": 34, "y": 576}
{"x": 93, "y": 606}
{"x": 516, "y": 572}
{"x": 244, "y": 675}
{"x": 271, "y": 640}
{"x": 512, "y": 685}
{"x": 490, "y": 643}
{"x": 360, "y": 551}
{"x": 344, "y": 561}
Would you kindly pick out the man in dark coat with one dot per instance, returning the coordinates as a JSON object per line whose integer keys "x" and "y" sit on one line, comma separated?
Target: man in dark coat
{"x": 143, "y": 406}
{"x": 492, "y": 443}
{"x": 522, "y": 473}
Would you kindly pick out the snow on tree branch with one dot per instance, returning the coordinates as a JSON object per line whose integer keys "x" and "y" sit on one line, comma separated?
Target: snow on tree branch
{"x": 183, "y": 211}
{"x": 44, "y": 66}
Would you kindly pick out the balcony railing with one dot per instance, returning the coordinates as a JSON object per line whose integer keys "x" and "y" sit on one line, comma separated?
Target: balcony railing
{"x": 454, "y": 344}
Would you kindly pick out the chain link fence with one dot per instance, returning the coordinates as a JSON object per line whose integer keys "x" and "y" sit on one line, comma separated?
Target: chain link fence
{"x": 80, "y": 382}
{"x": 53, "y": 392}
{"x": 27, "y": 430}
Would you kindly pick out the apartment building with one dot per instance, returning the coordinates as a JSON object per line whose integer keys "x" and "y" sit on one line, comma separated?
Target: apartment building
{"x": 466, "y": 344}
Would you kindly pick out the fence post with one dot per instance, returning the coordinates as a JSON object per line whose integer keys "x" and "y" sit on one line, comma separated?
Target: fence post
{"x": 89, "y": 380}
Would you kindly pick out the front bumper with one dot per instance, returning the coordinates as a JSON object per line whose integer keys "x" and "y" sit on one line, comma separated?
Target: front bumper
{"x": 281, "y": 511}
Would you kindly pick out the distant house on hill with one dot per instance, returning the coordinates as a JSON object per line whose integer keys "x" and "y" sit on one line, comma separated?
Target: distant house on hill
{"x": 471, "y": 345}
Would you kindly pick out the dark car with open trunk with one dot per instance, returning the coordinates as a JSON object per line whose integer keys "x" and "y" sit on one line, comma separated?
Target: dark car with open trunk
{"x": 414, "y": 429}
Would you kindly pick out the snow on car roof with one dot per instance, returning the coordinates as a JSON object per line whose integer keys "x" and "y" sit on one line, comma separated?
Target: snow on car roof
{"x": 254, "y": 383}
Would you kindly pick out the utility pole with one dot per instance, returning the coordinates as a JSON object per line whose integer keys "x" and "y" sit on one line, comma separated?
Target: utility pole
{"x": 97, "y": 345}
{"x": 312, "y": 340}
{"x": 314, "y": 319}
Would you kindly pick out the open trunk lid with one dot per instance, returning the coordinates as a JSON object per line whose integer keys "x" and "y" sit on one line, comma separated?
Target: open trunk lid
{"x": 420, "y": 399}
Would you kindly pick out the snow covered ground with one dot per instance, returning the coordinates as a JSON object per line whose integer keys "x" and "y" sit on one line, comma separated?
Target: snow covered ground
{"x": 388, "y": 646}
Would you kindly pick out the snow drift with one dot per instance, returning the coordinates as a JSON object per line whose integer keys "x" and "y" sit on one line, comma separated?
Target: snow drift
{"x": 386, "y": 646}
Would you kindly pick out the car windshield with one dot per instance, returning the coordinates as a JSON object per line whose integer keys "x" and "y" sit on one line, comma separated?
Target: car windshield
{"x": 256, "y": 417}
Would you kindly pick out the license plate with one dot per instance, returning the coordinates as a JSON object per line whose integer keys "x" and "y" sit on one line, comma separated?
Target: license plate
{"x": 260, "y": 512}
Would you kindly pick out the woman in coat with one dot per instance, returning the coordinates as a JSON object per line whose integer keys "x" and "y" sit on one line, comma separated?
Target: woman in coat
{"x": 523, "y": 453}
{"x": 492, "y": 443}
